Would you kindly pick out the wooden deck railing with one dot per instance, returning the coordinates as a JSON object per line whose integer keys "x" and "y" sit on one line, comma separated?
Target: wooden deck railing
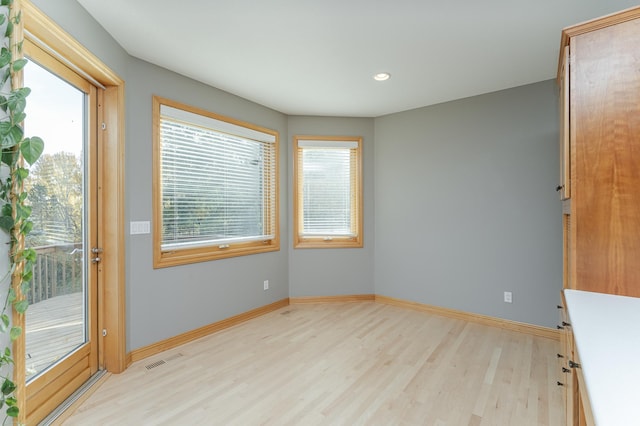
{"x": 58, "y": 271}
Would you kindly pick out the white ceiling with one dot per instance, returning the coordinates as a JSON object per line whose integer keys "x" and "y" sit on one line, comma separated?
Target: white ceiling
{"x": 317, "y": 57}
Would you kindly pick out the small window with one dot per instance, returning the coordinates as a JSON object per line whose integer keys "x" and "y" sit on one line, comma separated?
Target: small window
{"x": 215, "y": 186}
{"x": 327, "y": 195}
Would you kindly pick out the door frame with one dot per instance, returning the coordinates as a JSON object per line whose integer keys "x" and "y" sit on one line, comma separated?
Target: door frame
{"x": 44, "y": 32}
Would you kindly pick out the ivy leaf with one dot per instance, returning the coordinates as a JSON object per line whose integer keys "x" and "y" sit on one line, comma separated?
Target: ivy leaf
{"x": 13, "y": 411}
{"x": 19, "y": 178}
{"x": 21, "y": 306}
{"x": 6, "y": 2}
{"x": 4, "y": 325}
{"x": 6, "y": 223}
{"x": 17, "y": 101}
{"x": 19, "y": 64}
{"x": 26, "y": 277}
{"x": 30, "y": 254}
{"x": 5, "y": 128}
{"x": 15, "y": 333}
{"x": 9, "y": 157}
{"x": 27, "y": 226}
{"x": 19, "y": 118}
{"x": 31, "y": 149}
{"x": 8, "y": 387}
{"x": 22, "y": 173}
{"x": 9, "y": 29}
{"x": 5, "y": 57}
{"x": 22, "y": 211}
{"x": 5, "y": 76}
{"x": 12, "y": 137}
{"x": 11, "y": 297}
{"x": 21, "y": 93}
{"x": 2, "y": 19}
{"x": 24, "y": 287}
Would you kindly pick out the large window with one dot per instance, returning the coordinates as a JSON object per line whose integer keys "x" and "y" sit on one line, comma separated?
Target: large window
{"x": 327, "y": 192}
{"x": 215, "y": 186}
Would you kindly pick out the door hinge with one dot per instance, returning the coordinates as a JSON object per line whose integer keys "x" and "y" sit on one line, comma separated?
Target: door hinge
{"x": 96, "y": 251}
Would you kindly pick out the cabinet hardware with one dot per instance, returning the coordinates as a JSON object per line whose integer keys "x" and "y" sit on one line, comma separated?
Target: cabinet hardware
{"x": 560, "y": 383}
{"x": 559, "y": 327}
{"x": 573, "y": 364}
{"x": 559, "y": 187}
{"x": 559, "y": 306}
{"x": 565, "y": 370}
{"x": 566, "y": 324}
{"x": 560, "y": 356}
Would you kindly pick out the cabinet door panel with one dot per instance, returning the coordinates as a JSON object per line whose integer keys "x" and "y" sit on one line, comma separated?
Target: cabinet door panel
{"x": 605, "y": 126}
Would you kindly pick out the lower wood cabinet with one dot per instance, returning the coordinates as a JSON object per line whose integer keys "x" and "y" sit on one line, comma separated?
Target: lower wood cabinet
{"x": 577, "y": 410}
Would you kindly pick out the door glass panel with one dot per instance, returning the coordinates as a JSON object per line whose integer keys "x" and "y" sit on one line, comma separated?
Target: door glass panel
{"x": 56, "y": 319}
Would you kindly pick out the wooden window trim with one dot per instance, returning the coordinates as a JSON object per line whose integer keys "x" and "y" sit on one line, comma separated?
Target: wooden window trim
{"x": 162, "y": 258}
{"x": 357, "y": 200}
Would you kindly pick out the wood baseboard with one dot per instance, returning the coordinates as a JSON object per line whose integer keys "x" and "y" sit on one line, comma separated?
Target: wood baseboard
{"x": 333, "y": 299}
{"x": 521, "y": 327}
{"x": 189, "y": 336}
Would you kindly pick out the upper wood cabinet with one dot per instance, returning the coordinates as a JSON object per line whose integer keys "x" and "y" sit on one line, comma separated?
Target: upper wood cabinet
{"x": 599, "y": 76}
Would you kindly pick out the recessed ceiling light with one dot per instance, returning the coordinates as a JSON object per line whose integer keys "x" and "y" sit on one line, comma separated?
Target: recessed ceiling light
{"x": 382, "y": 76}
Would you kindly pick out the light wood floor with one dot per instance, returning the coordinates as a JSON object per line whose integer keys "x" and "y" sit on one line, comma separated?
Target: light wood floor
{"x": 340, "y": 364}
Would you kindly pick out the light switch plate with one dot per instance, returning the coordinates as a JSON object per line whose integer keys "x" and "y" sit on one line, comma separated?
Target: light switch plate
{"x": 143, "y": 227}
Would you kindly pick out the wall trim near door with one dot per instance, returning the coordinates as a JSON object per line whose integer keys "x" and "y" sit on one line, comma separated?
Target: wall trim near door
{"x": 181, "y": 339}
{"x": 536, "y": 330}
{"x": 333, "y": 299}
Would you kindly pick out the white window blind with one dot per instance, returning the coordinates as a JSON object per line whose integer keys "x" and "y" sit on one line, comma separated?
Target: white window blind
{"x": 327, "y": 188}
{"x": 218, "y": 181}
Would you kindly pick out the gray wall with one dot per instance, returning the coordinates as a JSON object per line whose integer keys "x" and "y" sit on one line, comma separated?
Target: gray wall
{"x": 343, "y": 271}
{"x": 76, "y": 21}
{"x": 165, "y": 302}
{"x": 465, "y": 204}
{"x": 169, "y": 301}
{"x": 460, "y": 205}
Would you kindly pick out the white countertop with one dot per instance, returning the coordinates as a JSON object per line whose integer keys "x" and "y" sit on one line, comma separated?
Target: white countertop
{"x": 607, "y": 336}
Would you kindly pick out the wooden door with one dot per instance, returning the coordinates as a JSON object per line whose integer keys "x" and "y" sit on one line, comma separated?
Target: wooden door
{"x": 61, "y": 322}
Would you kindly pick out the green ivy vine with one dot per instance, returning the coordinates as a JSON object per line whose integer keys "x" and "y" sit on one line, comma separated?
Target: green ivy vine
{"x": 14, "y": 210}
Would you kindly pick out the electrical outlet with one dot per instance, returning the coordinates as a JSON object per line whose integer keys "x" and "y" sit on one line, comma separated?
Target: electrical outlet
{"x": 266, "y": 284}
{"x": 508, "y": 297}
